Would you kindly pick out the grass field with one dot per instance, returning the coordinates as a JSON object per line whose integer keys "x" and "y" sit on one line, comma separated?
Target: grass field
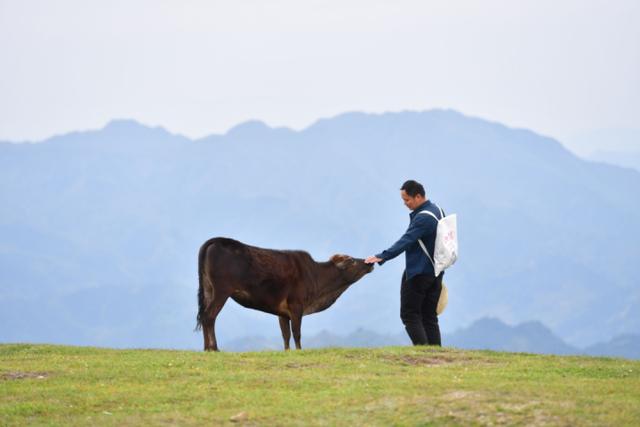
{"x": 57, "y": 385}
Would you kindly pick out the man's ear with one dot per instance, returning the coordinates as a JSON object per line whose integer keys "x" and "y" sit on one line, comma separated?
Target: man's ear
{"x": 340, "y": 261}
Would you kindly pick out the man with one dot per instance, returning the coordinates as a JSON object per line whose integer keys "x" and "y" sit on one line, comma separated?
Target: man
{"x": 420, "y": 289}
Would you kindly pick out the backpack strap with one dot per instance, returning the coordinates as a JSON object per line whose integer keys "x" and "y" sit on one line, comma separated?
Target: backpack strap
{"x": 424, "y": 248}
{"x": 431, "y": 213}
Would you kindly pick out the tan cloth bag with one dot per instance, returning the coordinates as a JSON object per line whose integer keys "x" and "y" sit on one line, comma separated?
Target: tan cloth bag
{"x": 444, "y": 299}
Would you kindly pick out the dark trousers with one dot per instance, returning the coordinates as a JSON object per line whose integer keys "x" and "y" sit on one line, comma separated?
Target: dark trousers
{"x": 418, "y": 301}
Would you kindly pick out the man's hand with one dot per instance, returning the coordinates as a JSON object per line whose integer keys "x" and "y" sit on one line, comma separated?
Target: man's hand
{"x": 372, "y": 259}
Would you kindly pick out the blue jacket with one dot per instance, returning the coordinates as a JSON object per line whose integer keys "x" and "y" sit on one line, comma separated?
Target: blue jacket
{"x": 423, "y": 227}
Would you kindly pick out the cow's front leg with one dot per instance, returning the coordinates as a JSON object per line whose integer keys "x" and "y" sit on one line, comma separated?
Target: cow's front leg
{"x": 296, "y": 323}
{"x": 285, "y": 327}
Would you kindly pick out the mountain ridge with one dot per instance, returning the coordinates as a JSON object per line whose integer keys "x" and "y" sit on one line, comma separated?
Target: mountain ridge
{"x": 524, "y": 337}
{"x": 129, "y": 215}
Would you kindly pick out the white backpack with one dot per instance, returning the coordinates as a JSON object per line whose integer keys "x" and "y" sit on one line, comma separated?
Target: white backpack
{"x": 445, "y": 252}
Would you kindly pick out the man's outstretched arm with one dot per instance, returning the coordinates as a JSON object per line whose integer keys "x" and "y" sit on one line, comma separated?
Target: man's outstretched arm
{"x": 418, "y": 227}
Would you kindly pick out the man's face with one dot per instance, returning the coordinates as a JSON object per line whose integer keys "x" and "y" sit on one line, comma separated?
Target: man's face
{"x": 411, "y": 202}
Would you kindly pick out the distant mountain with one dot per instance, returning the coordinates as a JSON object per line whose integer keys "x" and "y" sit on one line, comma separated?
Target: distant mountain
{"x": 621, "y": 346}
{"x": 483, "y": 334}
{"x": 493, "y": 334}
{"x": 616, "y": 140}
{"x": 324, "y": 338}
{"x": 99, "y": 230}
{"x": 627, "y": 159}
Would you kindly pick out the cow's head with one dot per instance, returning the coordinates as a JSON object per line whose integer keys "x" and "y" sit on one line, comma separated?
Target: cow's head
{"x": 351, "y": 269}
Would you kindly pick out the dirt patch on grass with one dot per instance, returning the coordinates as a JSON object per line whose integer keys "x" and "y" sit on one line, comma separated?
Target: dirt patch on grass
{"x": 460, "y": 394}
{"x": 384, "y": 403}
{"x": 16, "y": 375}
{"x": 423, "y": 360}
{"x": 438, "y": 359}
{"x": 469, "y": 407}
{"x": 293, "y": 365}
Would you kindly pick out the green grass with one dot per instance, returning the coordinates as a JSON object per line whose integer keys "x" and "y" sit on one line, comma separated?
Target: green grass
{"x": 57, "y": 385}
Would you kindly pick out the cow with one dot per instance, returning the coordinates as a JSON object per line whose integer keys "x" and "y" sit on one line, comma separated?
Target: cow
{"x": 289, "y": 284}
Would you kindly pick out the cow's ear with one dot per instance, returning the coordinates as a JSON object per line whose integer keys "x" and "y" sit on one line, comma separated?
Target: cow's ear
{"x": 340, "y": 261}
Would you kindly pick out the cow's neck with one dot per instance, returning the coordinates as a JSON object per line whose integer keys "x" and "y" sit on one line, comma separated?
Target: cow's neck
{"x": 327, "y": 286}
{"x": 332, "y": 278}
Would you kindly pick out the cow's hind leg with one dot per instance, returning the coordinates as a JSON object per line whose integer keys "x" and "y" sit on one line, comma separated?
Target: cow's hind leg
{"x": 209, "y": 323}
{"x": 285, "y": 327}
{"x": 296, "y": 324}
{"x": 206, "y": 332}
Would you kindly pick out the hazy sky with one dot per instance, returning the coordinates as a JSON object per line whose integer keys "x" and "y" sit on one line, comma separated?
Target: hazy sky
{"x": 561, "y": 67}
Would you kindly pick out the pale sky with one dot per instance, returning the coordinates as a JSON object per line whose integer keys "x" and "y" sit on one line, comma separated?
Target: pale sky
{"x": 561, "y": 68}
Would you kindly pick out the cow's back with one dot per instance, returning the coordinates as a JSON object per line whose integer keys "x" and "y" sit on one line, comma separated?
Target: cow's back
{"x": 255, "y": 277}
{"x": 236, "y": 259}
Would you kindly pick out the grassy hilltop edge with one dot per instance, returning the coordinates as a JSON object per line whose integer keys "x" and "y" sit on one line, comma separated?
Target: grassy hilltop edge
{"x": 46, "y": 384}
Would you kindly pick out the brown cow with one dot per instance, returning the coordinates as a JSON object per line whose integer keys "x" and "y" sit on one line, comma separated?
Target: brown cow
{"x": 289, "y": 284}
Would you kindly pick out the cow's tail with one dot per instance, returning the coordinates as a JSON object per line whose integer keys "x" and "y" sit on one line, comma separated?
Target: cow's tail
{"x": 202, "y": 305}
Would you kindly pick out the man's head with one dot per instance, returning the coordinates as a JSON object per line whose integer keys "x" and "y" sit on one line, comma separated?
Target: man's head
{"x": 412, "y": 193}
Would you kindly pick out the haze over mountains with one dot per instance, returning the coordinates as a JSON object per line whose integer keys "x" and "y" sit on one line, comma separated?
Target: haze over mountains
{"x": 620, "y": 147}
{"x": 629, "y": 159}
{"x": 99, "y": 230}
{"x": 483, "y": 334}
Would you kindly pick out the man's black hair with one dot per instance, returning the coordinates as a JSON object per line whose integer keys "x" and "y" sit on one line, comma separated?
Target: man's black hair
{"x": 413, "y": 188}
